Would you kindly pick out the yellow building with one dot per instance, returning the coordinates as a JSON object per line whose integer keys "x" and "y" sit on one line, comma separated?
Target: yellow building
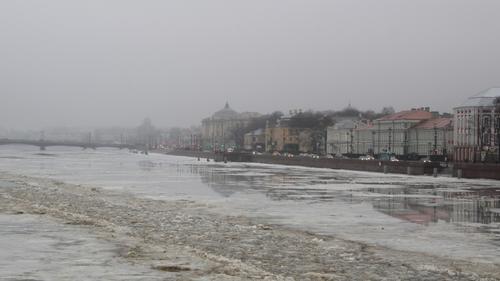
{"x": 286, "y": 139}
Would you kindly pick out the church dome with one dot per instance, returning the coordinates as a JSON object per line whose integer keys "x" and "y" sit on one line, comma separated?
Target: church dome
{"x": 225, "y": 113}
{"x": 490, "y": 97}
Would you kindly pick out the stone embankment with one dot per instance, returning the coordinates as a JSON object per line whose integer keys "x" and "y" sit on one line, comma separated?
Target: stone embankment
{"x": 460, "y": 170}
{"x": 400, "y": 167}
{"x": 189, "y": 242}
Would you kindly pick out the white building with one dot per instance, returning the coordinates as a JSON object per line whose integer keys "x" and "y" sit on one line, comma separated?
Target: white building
{"x": 432, "y": 137}
{"x": 345, "y": 137}
{"x": 416, "y": 132}
{"x": 476, "y": 127}
{"x": 391, "y": 132}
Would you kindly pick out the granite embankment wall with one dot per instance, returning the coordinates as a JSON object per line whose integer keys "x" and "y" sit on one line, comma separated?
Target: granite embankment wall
{"x": 401, "y": 167}
{"x": 193, "y": 153}
{"x": 477, "y": 170}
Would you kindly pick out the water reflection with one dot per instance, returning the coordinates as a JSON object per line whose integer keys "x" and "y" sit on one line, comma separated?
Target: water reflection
{"x": 420, "y": 213}
{"x": 452, "y": 206}
{"x": 420, "y": 203}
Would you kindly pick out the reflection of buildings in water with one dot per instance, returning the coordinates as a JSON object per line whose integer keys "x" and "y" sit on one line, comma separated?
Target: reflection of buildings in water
{"x": 470, "y": 206}
{"x": 227, "y": 182}
{"x": 477, "y": 206}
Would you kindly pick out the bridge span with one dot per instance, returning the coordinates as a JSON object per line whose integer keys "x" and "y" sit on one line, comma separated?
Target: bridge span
{"x": 43, "y": 144}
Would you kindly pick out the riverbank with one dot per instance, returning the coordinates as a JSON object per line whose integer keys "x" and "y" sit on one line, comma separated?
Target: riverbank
{"x": 188, "y": 241}
{"x": 400, "y": 167}
{"x": 460, "y": 170}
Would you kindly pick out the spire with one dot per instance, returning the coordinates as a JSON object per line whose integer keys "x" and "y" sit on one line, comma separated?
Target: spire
{"x": 227, "y": 105}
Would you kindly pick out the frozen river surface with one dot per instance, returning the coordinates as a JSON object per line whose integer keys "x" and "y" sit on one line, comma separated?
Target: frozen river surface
{"x": 34, "y": 248}
{"x": 444, "y": 216}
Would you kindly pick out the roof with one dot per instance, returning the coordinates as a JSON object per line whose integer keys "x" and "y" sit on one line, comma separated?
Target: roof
{"x": 439, "y": 123}
{"x": 256, "y": 132}
{"x": 344, "y": 124}
{"x": 487, "y": 97}
{"x": 407, "y": 115}
{"x": 348, "y": 124}
{"x": 225, "y": 113}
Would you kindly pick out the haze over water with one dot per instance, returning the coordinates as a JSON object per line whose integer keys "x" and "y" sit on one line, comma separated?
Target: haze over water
{"x": 443, "y": 216}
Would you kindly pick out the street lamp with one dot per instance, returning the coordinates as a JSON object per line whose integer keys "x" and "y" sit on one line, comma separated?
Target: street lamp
{"x": 497, "y": 127}
{"x": 390, "y": 139}
{"x": 373, "y": 143}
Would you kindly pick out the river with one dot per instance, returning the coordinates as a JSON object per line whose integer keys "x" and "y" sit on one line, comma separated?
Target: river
{"x": 449, "y": 217}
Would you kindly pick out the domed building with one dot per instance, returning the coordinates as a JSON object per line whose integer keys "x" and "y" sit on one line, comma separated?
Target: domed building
{"x": 477, "y": 127}
{"x": 218, "y": 129}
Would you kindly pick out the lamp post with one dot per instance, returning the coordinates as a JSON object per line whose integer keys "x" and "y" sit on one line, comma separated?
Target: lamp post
{"x": 497, "y": 126}
{"x": 373, "y": 143}
{"x": 435, "y": 138}
{"x": 351, "y": 146}
{"x": 390, "y": 139}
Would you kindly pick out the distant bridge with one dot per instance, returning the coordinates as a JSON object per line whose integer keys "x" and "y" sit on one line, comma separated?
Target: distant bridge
{"x": 43, "y": 144}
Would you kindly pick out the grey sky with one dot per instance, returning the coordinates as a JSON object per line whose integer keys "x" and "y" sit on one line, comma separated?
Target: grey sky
{"x": 101, "y": 63}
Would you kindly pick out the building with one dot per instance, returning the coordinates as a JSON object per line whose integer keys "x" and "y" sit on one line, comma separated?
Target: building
{"x": 477, "y": 127}
{"x": 287, "y": 139}
{"x": 391, "y": 132}
{"x": 412, "y": 133}
{"x": 345, "y": 137}
{"x": 255, "y": 140}
{"x": 432, "y": 137}
{"x": 218, "y": 130}
{"x": 284, "y": 138}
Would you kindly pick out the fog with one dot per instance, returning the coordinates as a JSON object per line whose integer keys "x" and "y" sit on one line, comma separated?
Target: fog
{"x": 103, "y": 63}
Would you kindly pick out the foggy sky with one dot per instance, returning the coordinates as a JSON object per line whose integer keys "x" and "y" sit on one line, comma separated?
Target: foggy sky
{"x": 103, "y": 63}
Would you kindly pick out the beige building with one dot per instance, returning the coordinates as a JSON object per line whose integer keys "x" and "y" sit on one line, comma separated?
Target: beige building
{"x": 477, "y": 126}
{"x": 286, "y": 139}
{"x": 218, "y": 130}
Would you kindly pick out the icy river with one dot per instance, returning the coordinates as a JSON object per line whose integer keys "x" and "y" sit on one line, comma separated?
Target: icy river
{"x": 442, "y": 216}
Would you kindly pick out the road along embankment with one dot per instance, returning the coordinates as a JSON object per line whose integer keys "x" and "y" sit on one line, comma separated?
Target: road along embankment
{"x": 189, "y": 242}
{"x": 399, "y": 167}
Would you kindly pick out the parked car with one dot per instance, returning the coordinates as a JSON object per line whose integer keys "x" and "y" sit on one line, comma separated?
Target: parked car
{"x": 366, "y": 157}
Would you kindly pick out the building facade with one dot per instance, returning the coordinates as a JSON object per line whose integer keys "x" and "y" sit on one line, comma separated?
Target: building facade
{"x": 218, "y": 130}
{"x": 255, "y": 140}
{"x": 348, "y": 137}
{"x": 477, "y": 128}
{"x": 286, "y": 139}
{"x": 432, "y": 137}
{"x": 416, "y": 132}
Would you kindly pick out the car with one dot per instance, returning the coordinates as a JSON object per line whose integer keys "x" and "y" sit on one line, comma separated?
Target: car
{"x": 394, "y": 159}
{"x": 366, "y": 157}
